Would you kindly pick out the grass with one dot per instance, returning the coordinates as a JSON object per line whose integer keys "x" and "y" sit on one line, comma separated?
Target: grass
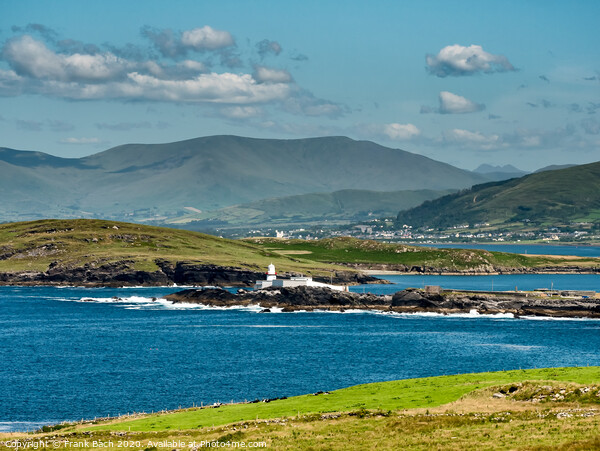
{"x": 447, "y": 412}
{"x": 396, "y": 395}
{"x": 369, "y": 252}
{"x": 33, "y": 246}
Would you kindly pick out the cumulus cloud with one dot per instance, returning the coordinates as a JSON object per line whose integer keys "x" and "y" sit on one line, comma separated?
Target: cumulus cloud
{"x": 36, "y": 67}
{"x": 457, "y": 60}
{"x": 31, "y": 58}
{"x": 266, "y": 47}
{"x": 206, "y": 38}
{"x": 166, "y": 41}
{"x": 453, "y": 104}
{"x": 268, "y": 75}
{"x": 173, "y": 44}
{"x": 401, "y": 132}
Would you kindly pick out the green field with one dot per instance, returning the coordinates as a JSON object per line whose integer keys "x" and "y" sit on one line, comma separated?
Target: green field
{"x": 552, "y": 408}
{"x": 369, "y": 253}
{"x": 397, "y": 395}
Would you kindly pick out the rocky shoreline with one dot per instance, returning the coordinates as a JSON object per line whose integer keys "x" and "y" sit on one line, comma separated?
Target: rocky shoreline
{"x": 405, "y": 301}
{"x": 481, "y": 270}
{"x": 123, "y": 273}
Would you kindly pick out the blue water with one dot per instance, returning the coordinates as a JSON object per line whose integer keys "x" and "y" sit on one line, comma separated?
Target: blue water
{"x": 65, "y": 359}
{"x": 532, "y": 249}
{"x": 505, "y": 282}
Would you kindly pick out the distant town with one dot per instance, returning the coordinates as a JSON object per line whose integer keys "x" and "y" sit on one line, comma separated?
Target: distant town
{"x": 386, "y": 230}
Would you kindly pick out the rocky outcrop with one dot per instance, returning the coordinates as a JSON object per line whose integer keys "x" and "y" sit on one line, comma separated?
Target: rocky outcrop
{"x": 288, "y": 298}
{"x": 124, "y": 273}
{"x": 406, "y": 301}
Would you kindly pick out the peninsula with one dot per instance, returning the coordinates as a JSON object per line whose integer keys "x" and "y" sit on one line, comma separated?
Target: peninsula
{"x": 92, "y": 252}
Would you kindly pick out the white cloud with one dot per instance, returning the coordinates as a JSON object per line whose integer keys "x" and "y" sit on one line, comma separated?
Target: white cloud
{"x": 29, "y": 57}
{"x": 455, "y": 104}
{"x": 37, "y": 69}
{"x": 475, "y": 139}
{"x": 401, "y": 132}
{"x": 242, "y": 112}
{"x": 456, "y": 60}
{"x": 207, "y": 38}
{"x": 268, "y": 75}
{"x": 210, "y": 88}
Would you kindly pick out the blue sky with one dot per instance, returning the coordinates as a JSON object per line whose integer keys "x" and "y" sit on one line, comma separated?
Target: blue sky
{"x": 462, "y": 82}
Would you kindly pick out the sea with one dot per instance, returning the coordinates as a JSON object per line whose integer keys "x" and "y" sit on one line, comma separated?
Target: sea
{"x": 71, "y": 353}
{"x": 530, "y": 249}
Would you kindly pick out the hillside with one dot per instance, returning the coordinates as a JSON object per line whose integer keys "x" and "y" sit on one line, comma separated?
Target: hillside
{"x": 339, "y": 206}
{"x": 541, "y": 199}
{"x": 157, "y": 181}
{"x": 100, "y": 252}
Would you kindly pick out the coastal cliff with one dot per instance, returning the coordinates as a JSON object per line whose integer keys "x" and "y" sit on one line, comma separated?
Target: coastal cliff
{"x": 406, "y": 301}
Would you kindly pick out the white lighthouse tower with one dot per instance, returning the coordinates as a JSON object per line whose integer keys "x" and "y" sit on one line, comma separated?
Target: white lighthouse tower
{"x": 271, "y": 273}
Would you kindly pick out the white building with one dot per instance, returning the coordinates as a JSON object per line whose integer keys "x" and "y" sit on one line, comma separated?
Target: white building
{"x": 273, "y": 281}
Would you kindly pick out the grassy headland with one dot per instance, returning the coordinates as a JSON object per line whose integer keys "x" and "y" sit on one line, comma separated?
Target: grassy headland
{"x": 35, "y": 245}
{"x": 520, "y": 409}
{"x": 70, "y": 245}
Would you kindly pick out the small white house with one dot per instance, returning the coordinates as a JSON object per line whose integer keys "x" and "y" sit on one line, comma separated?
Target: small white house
{"x": 273, "y": 281}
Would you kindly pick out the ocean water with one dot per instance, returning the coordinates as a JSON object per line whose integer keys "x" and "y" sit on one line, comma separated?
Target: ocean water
{"x": 532, "y": 249}
{"x": 72, "y": 353}
{"x": 504, "y": 282}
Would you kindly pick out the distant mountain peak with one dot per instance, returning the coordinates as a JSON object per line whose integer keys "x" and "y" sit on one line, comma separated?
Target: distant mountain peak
{"x": 508, "y": 168}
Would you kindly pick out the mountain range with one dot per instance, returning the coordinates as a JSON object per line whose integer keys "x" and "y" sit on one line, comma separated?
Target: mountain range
{"x": 140, "y": 182}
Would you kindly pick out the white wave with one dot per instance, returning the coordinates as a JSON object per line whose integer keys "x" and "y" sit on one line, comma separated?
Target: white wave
{"x": 471, "y": 314}
{"x": 556, "y": 318}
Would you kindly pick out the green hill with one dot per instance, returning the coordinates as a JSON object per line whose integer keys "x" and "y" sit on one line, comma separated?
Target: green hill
{"x": 158, "y": 181}
{"x": 75, "y": 243}
{"x": 339, "y": 206}
{"x": 541, "y": 199}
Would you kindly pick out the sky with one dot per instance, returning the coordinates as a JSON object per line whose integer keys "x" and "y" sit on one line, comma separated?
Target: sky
{"x": 467, "y": 83}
